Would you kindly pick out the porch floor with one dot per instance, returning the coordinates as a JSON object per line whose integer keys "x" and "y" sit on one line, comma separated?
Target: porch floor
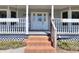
{"x": 39, "y": 32}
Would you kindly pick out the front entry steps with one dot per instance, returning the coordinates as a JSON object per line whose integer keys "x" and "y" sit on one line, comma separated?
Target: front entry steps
{"x": 38, "y": 44}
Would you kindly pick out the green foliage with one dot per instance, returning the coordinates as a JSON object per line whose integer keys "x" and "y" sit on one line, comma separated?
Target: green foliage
{"x": 69, "y": 44}
{"x": 10, "y": 44}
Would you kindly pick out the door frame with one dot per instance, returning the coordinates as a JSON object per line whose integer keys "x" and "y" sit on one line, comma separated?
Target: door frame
{"x": 46, "y": 17}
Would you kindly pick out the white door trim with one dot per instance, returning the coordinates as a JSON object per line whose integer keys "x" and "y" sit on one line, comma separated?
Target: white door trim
{"x": 42, "y": 20}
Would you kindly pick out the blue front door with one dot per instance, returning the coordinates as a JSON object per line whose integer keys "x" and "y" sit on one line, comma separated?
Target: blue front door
{"x": 39, "y": 21}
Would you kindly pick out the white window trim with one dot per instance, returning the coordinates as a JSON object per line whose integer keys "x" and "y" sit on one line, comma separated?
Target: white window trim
{"x": 67, "y": 11}
{"x": 62, "y": 13}
{"x": 10, "y": 12}
{"x": 73, "y": 11}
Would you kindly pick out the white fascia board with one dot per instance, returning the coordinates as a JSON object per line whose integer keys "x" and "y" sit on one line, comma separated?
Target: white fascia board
{"x": 39, "y": 2}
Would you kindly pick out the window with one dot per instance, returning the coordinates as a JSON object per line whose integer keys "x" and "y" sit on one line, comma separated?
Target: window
{"x": 65, "y": 14}
{"x": 75, "y": 14}
{"x": 3, "y": 14}
{"x": 13, "y": 14}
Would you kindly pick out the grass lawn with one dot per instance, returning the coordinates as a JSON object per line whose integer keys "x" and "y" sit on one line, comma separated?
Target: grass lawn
{"x": 10, "y": 44}
{"x": 71, "y": 45}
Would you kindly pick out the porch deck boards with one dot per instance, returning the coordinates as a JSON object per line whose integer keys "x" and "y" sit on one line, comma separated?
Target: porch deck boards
{"x": 39, "y": 32}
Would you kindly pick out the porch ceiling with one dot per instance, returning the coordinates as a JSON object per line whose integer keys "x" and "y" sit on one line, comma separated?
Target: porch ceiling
{"x": 14, "y": 6}
{"x": 18, "y": 6}
{"x": 40, "y": 6}
{"x": 64, "y": 6}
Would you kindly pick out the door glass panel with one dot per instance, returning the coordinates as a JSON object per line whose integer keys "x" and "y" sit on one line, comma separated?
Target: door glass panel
{"x": 39, "y": 16}
{"x": 33, "y": 14}
{"x": 44, "y": 17}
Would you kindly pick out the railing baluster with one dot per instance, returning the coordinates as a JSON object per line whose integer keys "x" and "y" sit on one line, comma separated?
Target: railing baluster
{"x": 19, "y": 27}
{"x": 70, "y": 28}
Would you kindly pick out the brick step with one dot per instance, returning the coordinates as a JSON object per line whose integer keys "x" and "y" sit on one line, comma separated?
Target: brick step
{"x": 44, "y": 43}
{"x": 38, "y": 37}
{"x": 37, "y": 42}
{"x": 43, "y": 49}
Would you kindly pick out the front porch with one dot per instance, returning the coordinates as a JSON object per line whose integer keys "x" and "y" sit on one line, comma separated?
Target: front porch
{"x": 66, "y": 19}
{"x": 12, "y": 19}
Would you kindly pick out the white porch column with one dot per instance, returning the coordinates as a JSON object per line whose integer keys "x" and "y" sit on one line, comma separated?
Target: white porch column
{"x": 54, "y": 31}
{"x": 8, "y": 12}
{"x": 8, "y": 16}
{"x": 69, "y": 17}
{"x": 69, "y": 13}
{"x": 52, "y": 12}
{"x": 17, "y": 11}
{"x": 27, "y": 19}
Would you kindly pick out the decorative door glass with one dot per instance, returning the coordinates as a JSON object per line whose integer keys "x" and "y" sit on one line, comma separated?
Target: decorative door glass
{"x": 44, "y": 17}
{"x": 39, "y": 16}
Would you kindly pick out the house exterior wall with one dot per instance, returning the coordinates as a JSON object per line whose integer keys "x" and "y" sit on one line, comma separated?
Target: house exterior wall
{"x": 57, "y": 12}
{"x": 21, "y": 12}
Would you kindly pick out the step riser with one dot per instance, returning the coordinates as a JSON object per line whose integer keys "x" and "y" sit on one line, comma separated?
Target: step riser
{"x": 39, "y": 51}
{"x": 38, "y": 38}
{"x": 38, "y": 44}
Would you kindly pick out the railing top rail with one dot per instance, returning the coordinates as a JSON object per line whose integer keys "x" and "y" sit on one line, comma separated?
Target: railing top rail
{"x": 11, "y": 19}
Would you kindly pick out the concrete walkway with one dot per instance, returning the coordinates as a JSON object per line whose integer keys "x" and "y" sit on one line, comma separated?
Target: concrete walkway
{"x": 17, "y": 50}
{"x": 21, "y": 50}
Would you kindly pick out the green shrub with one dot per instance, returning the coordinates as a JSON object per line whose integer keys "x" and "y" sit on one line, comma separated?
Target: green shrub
{"x": 10, "y": 44}
{"x": 69, "y": 44}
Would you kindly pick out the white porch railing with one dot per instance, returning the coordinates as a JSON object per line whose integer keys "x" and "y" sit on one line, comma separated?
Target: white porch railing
{"x": 66, "y": 27}
{"x": 17, "y": 26}
{"x": 53, "y": 34}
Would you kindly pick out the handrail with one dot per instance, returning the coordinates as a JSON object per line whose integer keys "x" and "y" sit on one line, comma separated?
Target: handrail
{"x": 53, "y": 34}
